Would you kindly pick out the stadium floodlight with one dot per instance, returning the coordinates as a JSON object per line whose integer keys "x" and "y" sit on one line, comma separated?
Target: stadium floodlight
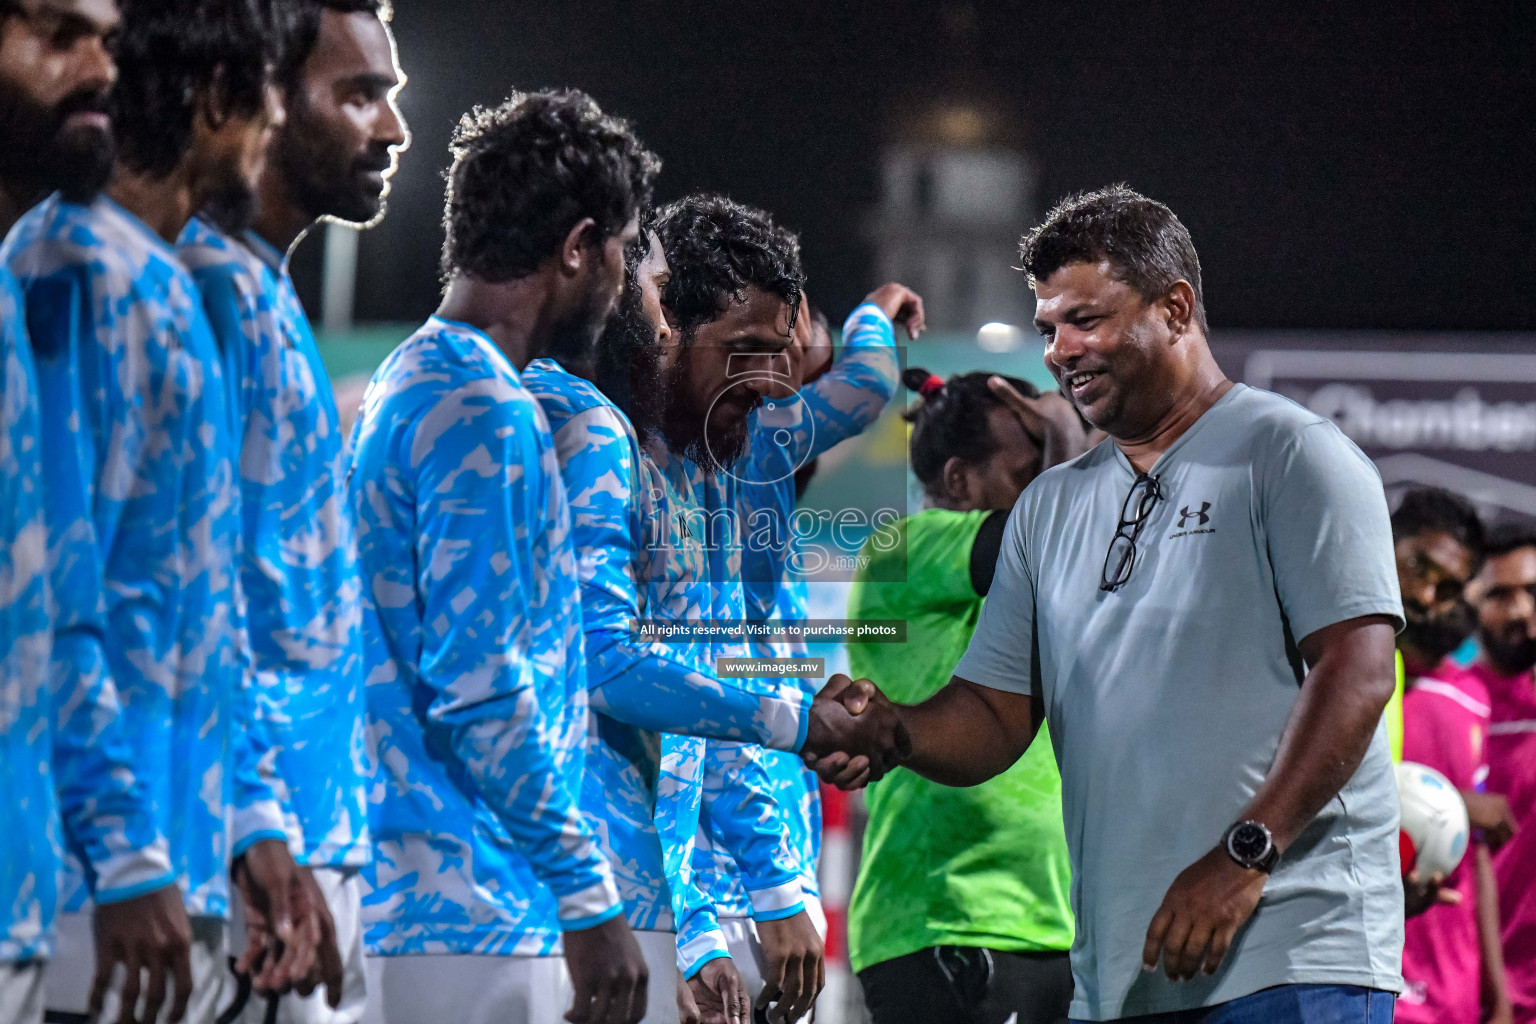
{"x": 999, "y": 337}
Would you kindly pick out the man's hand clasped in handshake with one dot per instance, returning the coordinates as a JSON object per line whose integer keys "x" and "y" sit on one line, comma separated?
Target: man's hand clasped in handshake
{"x": 856, "y": 734}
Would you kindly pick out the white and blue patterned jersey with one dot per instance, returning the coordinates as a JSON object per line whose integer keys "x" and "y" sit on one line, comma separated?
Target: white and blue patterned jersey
{"x": 476, "y": 682}
{"x": 299, "y": 566}
{"x": 795, "y": 785}
{"x": 838, "y": 405}
{"x": 147, "y": 598}
{"x": 30, "y": 850}
{"x": 637, "y": 781}
{"x": 741, "y": 864}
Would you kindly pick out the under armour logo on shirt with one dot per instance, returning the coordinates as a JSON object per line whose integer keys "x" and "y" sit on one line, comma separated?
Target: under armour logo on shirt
{"x": 1200, "y": 517}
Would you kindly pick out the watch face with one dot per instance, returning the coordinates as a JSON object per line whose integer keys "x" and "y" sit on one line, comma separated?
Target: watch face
{"x": 1249, "y": 842}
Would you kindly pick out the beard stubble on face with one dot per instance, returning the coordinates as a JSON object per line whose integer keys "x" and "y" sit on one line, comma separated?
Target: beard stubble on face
{"x": 41, "y": 154}
{"x": 322, "y": 174}
{"x": 231, "y": 199}
{"x": 627, "y": 366}
{"x": 688, "y": 432}
{"x": 573, "y": 340}
{"x": 1139, "y": 389}
{"x": 1435, "y": 637}
{"x": 1510, "y": 648}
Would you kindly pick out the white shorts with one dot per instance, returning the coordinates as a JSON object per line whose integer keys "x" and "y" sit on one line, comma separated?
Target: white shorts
{"x": 467, "y": 989}
{"x": 21, "y": 992}
{"x": 343, "y": 892}
{"x": 74, "y": 965}
{"x": 660, "y": 952}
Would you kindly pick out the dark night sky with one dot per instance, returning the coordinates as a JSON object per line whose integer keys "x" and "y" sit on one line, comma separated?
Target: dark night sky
{"x": 1336, "y": 169}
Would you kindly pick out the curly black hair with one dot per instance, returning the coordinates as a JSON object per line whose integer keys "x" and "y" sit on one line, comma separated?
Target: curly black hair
{"x": 170, "y": 56}
{"x": 528, "y": 171}
{"x": 1148, "y": 247}
{"x": 298, "y": 26}
{"x": 1434, "y": 509}
{"x": 949, "y": 420}
{"x": 716, "y": 248}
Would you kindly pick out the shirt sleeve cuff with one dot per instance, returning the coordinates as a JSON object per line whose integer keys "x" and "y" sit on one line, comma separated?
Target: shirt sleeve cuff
{"x": 700, "y": 949}
{"x": 862, "y": 316}
{"x": 590, "y": 907}
{"x": 256, "y": 822}
{"x": 791, "y": 724}
{"x": 774, "y": 904}
{"x": 132, "y": 875}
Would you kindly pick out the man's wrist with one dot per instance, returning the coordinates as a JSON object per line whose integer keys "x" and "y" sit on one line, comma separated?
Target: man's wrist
{"x": 1251, "y": 845}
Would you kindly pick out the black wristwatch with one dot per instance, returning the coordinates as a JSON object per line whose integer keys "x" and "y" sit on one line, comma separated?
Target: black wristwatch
{"x": 1250, "y": 844}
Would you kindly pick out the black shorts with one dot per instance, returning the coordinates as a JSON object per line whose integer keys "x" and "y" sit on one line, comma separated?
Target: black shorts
{"x": 961, "y": 985}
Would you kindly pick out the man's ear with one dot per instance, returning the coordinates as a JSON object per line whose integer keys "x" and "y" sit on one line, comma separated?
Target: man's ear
{"x": 1179, "y": 307}
{"x": 578, "y": 249}
{"x": 212, "y": 106}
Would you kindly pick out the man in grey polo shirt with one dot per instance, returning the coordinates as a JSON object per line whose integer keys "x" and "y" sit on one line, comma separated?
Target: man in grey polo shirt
{"x": 1203, "y": 608}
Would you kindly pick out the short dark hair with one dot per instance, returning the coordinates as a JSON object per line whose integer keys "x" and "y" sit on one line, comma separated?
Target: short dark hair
{"x": 717, "y": 248}
{"x": 170, "y": 54}
{"x": 298, "y": 24}
{"x": 1507, "y": 537}
{"x": 1148, "y": 247}
{"x": 950, "y": 421}
{"x": 1426, "y": 509}
{"x": 528, "y": 171}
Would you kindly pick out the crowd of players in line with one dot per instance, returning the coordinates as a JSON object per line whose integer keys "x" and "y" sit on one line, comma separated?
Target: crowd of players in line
{"x": 303, "y": 729}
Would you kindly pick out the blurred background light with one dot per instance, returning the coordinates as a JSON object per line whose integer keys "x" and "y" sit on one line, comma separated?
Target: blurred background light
{"x": 998, "y": 337}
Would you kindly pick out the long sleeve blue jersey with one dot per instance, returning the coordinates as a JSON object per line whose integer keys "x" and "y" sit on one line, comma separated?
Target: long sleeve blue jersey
{"x": 838, "y": 405}
{"x": 299, "y": 564}
{"x": 795, "y": 785}
{"x": 145, "y": 517}
{"x": 476, "y": 683}
{"x": 29, "y": 820}
{"x": 637, "y": 782}
{"x": 740, "y": 864}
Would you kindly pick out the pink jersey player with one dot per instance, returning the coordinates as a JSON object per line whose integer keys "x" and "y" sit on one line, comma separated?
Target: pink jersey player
{"x": 1445, "y": 726}
{"x": 1512, "y": 772}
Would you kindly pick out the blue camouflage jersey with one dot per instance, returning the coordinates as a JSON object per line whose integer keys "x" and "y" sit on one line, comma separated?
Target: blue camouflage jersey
{"x": 641, "y": 784}
{"x": 838, "y": 405}
{"x": 299, "y": 567}
{"x": 29, "y": 820}
{"x": 796, "y": 785}
{"x": 740, "y": 863}
{"x": 148, "y": 601}
{"x": 476, "y": 682}
{"x": 678, "y": 588}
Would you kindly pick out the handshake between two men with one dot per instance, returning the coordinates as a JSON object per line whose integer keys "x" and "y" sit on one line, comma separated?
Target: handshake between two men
{"x": 856, "y": 735}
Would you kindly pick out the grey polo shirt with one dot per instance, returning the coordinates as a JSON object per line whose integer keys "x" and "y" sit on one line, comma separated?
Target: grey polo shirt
{"x": 1166, "y": 699}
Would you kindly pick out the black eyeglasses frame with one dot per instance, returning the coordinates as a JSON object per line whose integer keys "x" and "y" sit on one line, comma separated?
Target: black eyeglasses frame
{"x": 1152, "y": 493}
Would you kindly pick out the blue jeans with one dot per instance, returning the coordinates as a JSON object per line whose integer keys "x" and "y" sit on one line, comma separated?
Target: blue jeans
{"x": 1289, "y": 1004}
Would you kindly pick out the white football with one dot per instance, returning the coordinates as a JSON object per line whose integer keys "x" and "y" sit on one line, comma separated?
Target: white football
{"x": 1434, "y": 822}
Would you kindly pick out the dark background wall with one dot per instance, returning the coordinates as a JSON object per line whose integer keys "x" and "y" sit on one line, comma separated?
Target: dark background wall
{"x": 1337, "y": 168}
